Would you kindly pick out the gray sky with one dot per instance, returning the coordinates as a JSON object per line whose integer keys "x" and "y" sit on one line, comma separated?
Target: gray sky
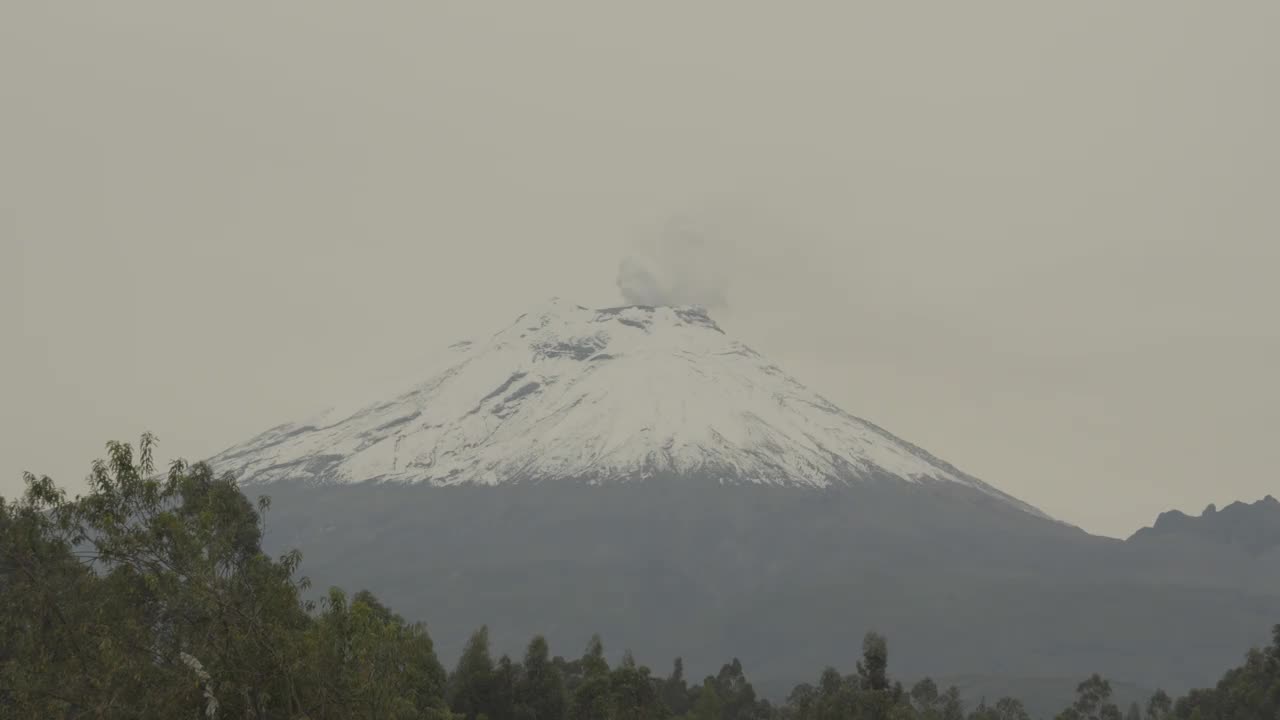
{"x": 1038, "y": 239}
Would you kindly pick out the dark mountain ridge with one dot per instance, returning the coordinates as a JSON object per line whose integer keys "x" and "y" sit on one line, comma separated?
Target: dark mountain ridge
{"x": 1252, "y": 527}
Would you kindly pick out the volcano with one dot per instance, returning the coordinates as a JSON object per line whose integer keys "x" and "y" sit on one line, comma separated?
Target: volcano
{"x": 637, "y": 472}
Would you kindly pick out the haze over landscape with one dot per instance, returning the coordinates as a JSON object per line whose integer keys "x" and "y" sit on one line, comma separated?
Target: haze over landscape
{"x": 1038, "y": 240}
{"x": 566, "y": 361}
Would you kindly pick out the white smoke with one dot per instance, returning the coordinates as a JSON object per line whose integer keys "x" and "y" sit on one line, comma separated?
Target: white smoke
{"x": 685, "y": 263}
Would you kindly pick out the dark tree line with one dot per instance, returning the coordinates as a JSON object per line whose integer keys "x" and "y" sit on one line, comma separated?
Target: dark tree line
{"x": 150, "y": 597}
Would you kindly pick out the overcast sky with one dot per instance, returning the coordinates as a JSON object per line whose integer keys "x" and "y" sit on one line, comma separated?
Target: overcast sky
{"x": 1039, "y": 239}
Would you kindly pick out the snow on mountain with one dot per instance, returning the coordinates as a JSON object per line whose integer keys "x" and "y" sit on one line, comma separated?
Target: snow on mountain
{"x": 598, "y": 396}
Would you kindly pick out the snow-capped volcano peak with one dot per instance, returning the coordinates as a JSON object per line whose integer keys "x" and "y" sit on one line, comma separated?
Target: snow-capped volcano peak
{"x": 568, "y": 393}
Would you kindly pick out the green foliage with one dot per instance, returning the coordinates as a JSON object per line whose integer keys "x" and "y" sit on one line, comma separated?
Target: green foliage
{"x": 708, "y": 706}
{"x": 373, "y": 664}
{"x": 1093, "y": 702}
{"x": 868, "y": 694}
{"x": 736, "y": 694}
{"x": 1249, "y": 692}
{"x": 1160, "y": 706}
{"x": 873, "y": 668}
{"x": 950, "y": 706}
{"x": 149, "y": 596}
{"x": 634, "y": 695}
{"x": 925, "y": 699}
{"x": 540, "y": 692}
{"x": 473, "y": 682}
{"x": 593, "y": 696}
{"x": 674, "y": 691}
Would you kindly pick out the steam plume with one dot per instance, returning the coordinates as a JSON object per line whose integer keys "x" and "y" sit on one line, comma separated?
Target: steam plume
{"x": 685, "y": 264}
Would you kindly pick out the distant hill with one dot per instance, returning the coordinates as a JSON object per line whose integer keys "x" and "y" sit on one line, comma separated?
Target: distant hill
{"x": 1254, "y": 528}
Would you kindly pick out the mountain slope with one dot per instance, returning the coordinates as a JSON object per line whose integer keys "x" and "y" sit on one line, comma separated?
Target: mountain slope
{"x": 569, "y": 393}
{"x": 786, "y": 579}
{"x": 637, "y": 473}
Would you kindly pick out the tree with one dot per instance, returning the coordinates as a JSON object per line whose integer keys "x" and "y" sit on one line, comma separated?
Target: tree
{"x": 148, "y": 596}
{"x": 1093, "y": 702}
{"x": 472, "y": 683}
{"x": 373, "y": 664}
{"x": 736, "y": 694}
{"x": 950, "y": 705}
{"x": 874, "y": 696}
{"x": 632, "y": 694}
{"x": 924, "y": 698}
{"x": 502, "y": 693}
{"x": 593, "y": 698}
{"x": 540, "y": 693}
{"x": 1249, "y": 691}
{"x": 1159, "y": 706}
{"x": 873, "y": 668}
{"x": 593, "y": 661}
{"x": 1008, "y": 708}
{"x": 802, "y": 701}
{"x": 708, "y": 705}
{"x": 675, "y": 690}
